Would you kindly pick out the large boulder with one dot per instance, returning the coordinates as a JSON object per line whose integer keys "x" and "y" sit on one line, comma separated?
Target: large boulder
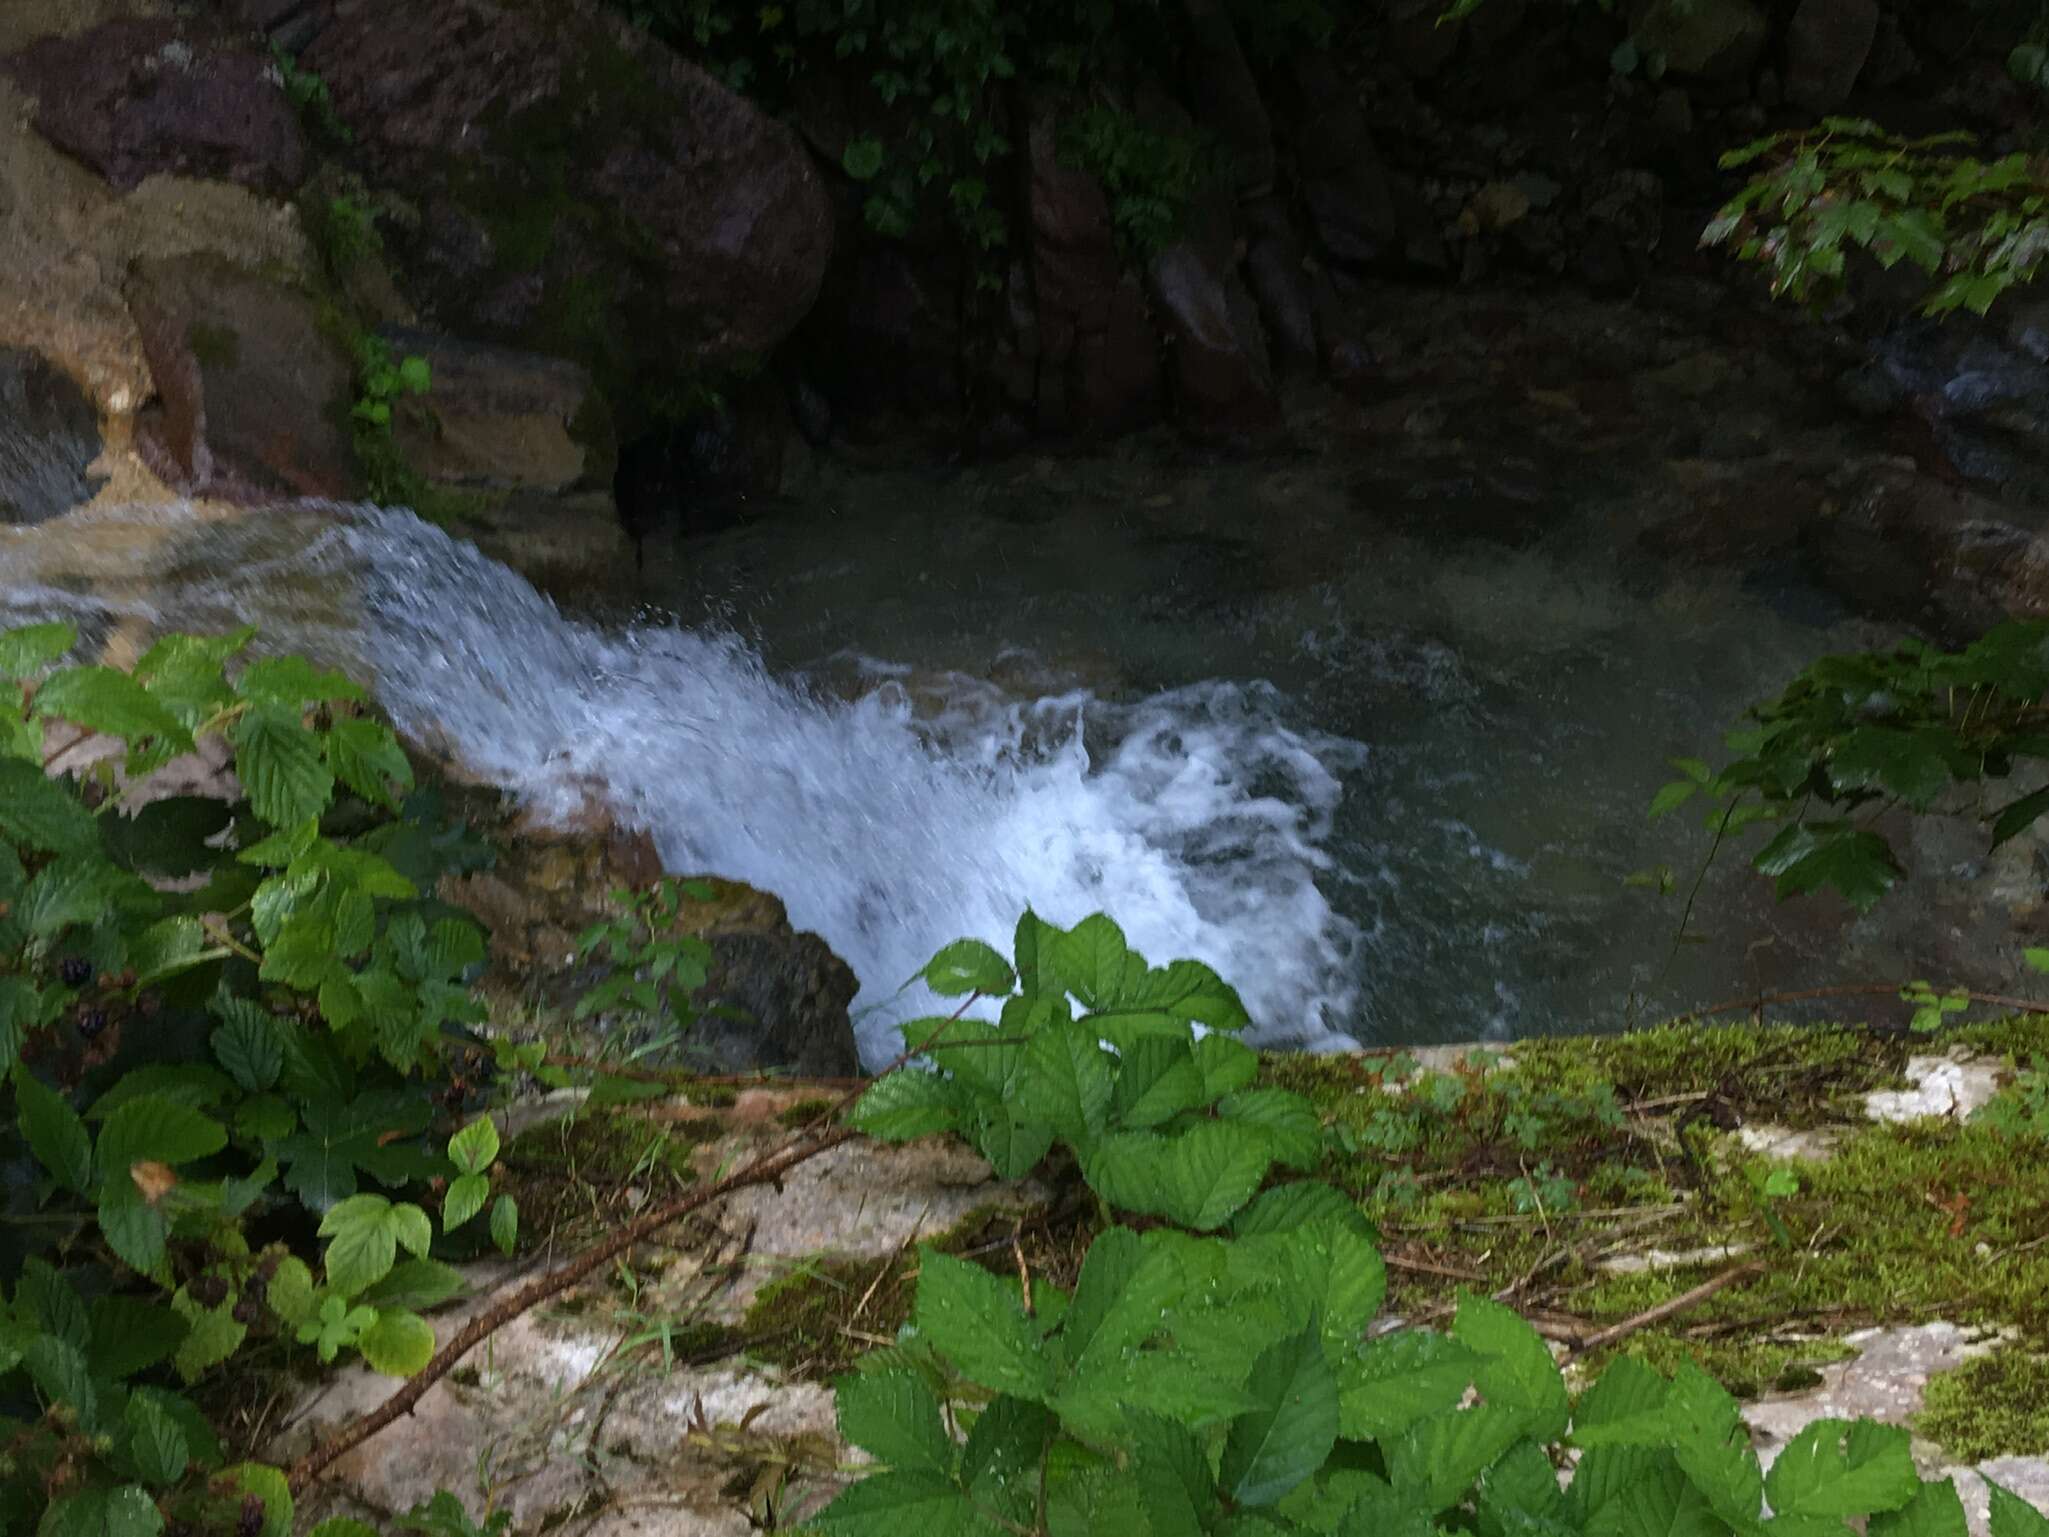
{"x": 1826, "y": 47}
{"x": 1713, "y": 39}
{"x": 253, "y": 393}
{"x": 136, "y": 97}
{"x": 49, "y": 438}
{"x": 581, "y": 189}
{"x": 1098, "y": 358}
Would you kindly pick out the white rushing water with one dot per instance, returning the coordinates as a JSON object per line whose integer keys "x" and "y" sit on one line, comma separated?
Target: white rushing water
{"x": 1196, "y": 818}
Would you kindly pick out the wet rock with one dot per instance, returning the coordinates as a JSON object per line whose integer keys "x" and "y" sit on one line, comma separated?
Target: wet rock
{"x": 1276, "y": 272}
{"x": 1229, "y": 98}
{"x": 773, "y": 997}
{"x": 582, "y": 188}
{"x": 1826, "y": 46}
{"x": 1345, "y": 189}
{"x": 889, "y": 338}
{"x": 1098, "y": 361}
{"x": 49, "y": 438}
{"x": 137, "y": 97}
{"x": 251, "y": 391}
{"x": 496, "y": 418}
{"x": 1713, "y": 39}
{"x": 1218, "y": 367}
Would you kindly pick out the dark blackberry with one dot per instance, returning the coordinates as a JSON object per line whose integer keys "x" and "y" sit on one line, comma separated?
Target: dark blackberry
{"x": 247, "y": 1311}
{"x": 250, "y": 1522}
{"x": 92, "y": 1022}
{"x": 75, "y": 971}
{"x": 209, "y": 1291}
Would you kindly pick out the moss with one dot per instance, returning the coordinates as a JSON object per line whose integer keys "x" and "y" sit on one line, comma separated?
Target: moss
{"x": 1994, "y": 1406}
{"x": 804, "y": 1112}
{"x": 573, "y": 1172}
{"x": 214, "y": 346}
{"x": 1747, "y": 1368}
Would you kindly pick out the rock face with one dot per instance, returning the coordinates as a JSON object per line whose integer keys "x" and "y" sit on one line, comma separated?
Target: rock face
{"x": 497, "y": 418}
{"x": 252, "y": 394}
{"x": 134, "y": 98}
{"x": 582, "y": 190}
{"x": 1222, "y": 379}
{"x": 49, "y": 436}
{"x": 1826, "y": 48}
{"x": 1714, "y": 39}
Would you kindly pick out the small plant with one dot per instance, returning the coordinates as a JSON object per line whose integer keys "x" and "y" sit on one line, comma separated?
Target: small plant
{"x": 654, "y": 968}
{"x": 1150, "y": 174}
{"x": 1212, "y": 1369}
{"x": 382, "y": 379}
{"x": 1854, "y": 736}
{"x": 1975, "y": 227}
{"x": 310, "y": 98}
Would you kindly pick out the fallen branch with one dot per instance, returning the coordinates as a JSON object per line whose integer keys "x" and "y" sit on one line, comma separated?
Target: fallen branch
{"x": 1614, "y": 1333}
{"x": 818, "y": 1137}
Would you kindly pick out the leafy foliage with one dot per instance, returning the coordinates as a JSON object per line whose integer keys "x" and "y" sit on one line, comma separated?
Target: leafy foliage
{"x": 1975, "y": 227}
{"x": 653, "y": 969}
{"x": 215, "y": 1019}
{"x": 1214, "y": 1368}
{"x": 1854, "y": 736}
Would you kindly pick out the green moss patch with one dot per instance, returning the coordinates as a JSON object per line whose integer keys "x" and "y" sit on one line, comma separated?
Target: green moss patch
{"x": 1994, "y": 1406}
{"x": 575, "y": 1172}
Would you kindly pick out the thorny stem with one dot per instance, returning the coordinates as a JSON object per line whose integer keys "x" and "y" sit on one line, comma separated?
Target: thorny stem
{"x": 801, "y": 1147}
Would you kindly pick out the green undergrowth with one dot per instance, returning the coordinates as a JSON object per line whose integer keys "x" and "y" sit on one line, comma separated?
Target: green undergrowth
{"x": 1527, "y": 1169}
{"x": 1994, "y": 1406}
{"x": 573, "y": 1174}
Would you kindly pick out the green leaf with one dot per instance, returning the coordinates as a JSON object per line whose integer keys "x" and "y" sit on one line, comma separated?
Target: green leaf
{"x": 36, "y": 812}
{"x": 155, "y": 1442}
{"x": 466, "y": 1196}
{"x": 1067, "y": 1081}
{"x": 366, "y": 757}
{"x": 1213, "y": 1169}
{"x": 104, "y": 700}
{"x": 268, "y": 1485}
{"x": 398, "y": 1344}
{"x": 158, "y": 1129}
{"x": 2013, "y": 1516}
{"x": 77, "y": 890}
{"x": 1661, "y": 1503}
{"x": 893, "y": 1415}
{"x": 124, "y": 1510}
{"x": 1157, "y": 1079}
{"x": 1225, "y": 1064}
{"x": 978, "y": 1323}
{"x": 214, "y": 1336}
{"x": 475, "y": 1147}
{"x": 1909, "y": 764}
{"x": 2018, "y": 816}
{"x": 27, "y": 649}
{"x": 366, "y": 1231}
{"x": 1399, "y": 1380}
{"x": 908, "y": 1103}
{"x": 416, "y": 1284}
{"x": 1435, "y": 1462}
{"x": 1934, "y": 1511}
{"x": 290, "y": 1293}
{"x": 1673, "y": 796}
{"x": 247, "y": 1045}
{"x": 1293, "y": 1132}
{"x": 1515, "y": 1366}
{"x": 1843, "y": 1468}
{"x": 893, "y": 1504}
{"x": 294, "y": 681}
{"x": 1299, "y": 1204}
{"x": 55, "y": 1132}
{"x": 1810, "y": 855}
{"x": 280, "y": 765}
{"x": 57, "y": 1368}
{"x": 130, "y": 1335}
{"x": 862, "y": 158}
{"x": 1274, "y": 1447}
{"x": 505, "y": 1224}
{"x": 968, "y": 966}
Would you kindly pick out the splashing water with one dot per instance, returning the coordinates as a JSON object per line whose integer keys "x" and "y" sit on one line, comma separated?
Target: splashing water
{"x": 1196, "y": 818}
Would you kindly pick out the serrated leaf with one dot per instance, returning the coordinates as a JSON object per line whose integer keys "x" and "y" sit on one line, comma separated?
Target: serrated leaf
{"x": 104, "y": 700}
{"x": 366, "y": 757}
{"x": 27, "y": 649}
{"x": 269, "y": 1485}
{"x": 214, "y": 1336}
{"x": 1301, "y": 1203}
{"x": 156, "y": 1443}
{"x": 1515, "y": 1366}
{"x": 36, "y": 812}
{"x": 1436, "y": 1461}
{"x": 281, "y": 767}
{"x": 290, "y": 1292}
{"x": 57, "y": 1368}
{"x": 1012, "y": 1146}
{"x": 1157, "y": 1079}
{"x": 399, "y": 1343}
{"x": 1274, "y": 1447}
{"x": 893, "y": 1504}
{"x": 2013, "y": 1516}
{"x": 55, "y": 1132}
{"x": 893, "y": 1415}
{"x": 968, "y": 966}
{"x": 130, "y": 1335}
{"x": 1840, "y": 1468}
{"x": 1294, "y": 1133}
{"x": 155, "y": 1128}
{"x": 247, "y": 1045}
{"x": 1673, "y": 796}
{"x": 475, "y": 1147}
{"x": 979, "y": 1324}
{"x": 505, "y": 1224}
{"x": 292, "y": 680}
{"x": 1212, "y": 1170}
{"x": 908, "y": 1103}
{"x": 1936, "y": 1510}
{"x": 123, "y": 1510}
{"x": 466, "y": 1196}
{"x": 1067, "y": 1081}
{"x": 1399, "y": 1380}
{"x": 1226, "y": 1064}
{"x": 365, "y": 1231}
{"x": 416, "y": 1284}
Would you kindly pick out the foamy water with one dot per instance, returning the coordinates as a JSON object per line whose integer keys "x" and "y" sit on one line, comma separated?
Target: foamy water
{"x": 1195, "y": 817}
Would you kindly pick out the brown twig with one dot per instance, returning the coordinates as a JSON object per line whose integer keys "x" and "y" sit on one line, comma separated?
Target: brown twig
{"x": 1601, "y": 1338}
{"x": 800, "y": 1148}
